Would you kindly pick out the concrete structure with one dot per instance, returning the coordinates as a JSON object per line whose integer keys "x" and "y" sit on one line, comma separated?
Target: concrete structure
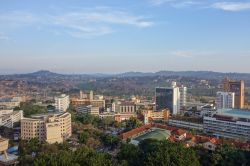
{"x": 119, "y": 117}
{"x": 9, "y": 117}
{"x": 228, "y": 123}
{"x": 47, "y": 127}
{"x": 106, "y": 115}
{"x": 168, "y": 98}
{"x": 150, "y": 115}
{"x": 183, "y": 96}
{"x": 6, "y": 159}
{"x": 62, "y": 103}
{"x": 238, "y": 88}
{"x": 185, "y": 124}
{"x": 10, "y": 103}
{"x": 94, "y": 111}
{"x": 225, "y": 100}
{"x": 127, "y": 107}
{"x": 87, "y": 99}
{"x": 88, "y": 110}
{"x": 83, "y": 109}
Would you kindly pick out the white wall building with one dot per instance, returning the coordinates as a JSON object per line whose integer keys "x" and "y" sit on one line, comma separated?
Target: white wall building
{"x": 168, "y": 98}
{"x": 9, "y": 117}
{"x": 62, "y": 103}
{"x": 183, "y": 96}
{"x": 225, "y": 100}
{"x": 228, "y": 123}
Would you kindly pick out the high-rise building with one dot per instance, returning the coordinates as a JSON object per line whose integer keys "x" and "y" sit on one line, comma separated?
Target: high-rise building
{"x": 47, "y": 127}
{"x": 225, "y": 100}
{"x": 183, "y": 96}
{"x": 62, "y": 103}
{"x": 168, "y": 98}
{"x": 238, "y": 88}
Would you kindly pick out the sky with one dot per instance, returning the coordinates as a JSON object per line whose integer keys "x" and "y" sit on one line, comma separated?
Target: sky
{"x": 114, "y": 36}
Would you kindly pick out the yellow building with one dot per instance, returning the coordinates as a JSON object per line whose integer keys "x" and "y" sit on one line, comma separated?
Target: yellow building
{"x": 238, "y": 88}
{"x": 156, "y": 115}
{"x": 48, "y": 127}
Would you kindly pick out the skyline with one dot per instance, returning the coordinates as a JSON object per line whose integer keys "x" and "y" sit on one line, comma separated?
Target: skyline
{"x": 119, "y": 36}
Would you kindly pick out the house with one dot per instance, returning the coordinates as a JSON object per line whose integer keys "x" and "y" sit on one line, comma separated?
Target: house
{"x": 211, "y": 144}
{"x": 179, "y": 134}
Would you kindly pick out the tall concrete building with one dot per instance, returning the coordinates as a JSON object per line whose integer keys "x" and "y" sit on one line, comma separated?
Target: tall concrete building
{"x": 183, "y": 96}
{"x": 225, "y": 100}
{"x": 168, "y": 98}
{"x": 62, "y": 103}
{"x": 238, "y": 88}
{"x": 51, "y": 128}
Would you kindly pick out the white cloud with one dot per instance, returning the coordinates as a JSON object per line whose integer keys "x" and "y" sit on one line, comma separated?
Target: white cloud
{"x": 185, "y": 53}
{"x": 17, "y": 18}
{"x": 77, "y": 23}
{"x": 97, "y": 22}
{"x": 232, "y": 6}
{"x": 175, "y": 3}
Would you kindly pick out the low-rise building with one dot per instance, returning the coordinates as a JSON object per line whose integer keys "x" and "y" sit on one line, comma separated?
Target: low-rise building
{"x": 9, "y": 117}
{"x": 47, "y": 127}
{"x": 124, "y": 116}
{"x": 228, "y": 123}
{"x": 10, "y": 103}
{"x": 150, "y": 115}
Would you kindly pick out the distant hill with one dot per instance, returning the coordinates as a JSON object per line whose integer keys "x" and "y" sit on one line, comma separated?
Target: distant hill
{"x": 43, "y": 73}
{"x": 198, "y": 74}
{"x": 195, "y": 74}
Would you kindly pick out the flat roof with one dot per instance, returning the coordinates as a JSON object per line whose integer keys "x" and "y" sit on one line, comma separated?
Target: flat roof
{"x": 11, "y": 158}
{"x": 239, "y": 113}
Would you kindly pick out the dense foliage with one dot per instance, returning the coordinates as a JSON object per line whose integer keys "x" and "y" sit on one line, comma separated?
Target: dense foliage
{"x": 29, "y": 108}
{"x": 153, "y": 152}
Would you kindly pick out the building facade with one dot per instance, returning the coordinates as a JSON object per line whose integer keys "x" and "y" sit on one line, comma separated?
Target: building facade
{"x": 9, "y": 117}
{"x": 183, "y": 96}
{"x": 168, "y": 98}
{"x": 225, "y": 100}
{"x": 47, "y": 127}
{"x": 62, "y": 103}
{"x": 228, "y": 123}
{"x": 238, "y": 88}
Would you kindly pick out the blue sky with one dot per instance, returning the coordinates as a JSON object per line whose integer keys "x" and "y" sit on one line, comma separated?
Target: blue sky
{"x": 112, "y": 36}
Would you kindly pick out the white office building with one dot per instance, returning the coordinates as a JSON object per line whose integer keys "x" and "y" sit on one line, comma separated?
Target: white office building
{"x": 228, "y": 123}
{"x": 168, "y": 98}
{"x": 9, "y": 117}
{"x": 62, "y": 103}
{"x": 183, "y": 96}
{"x": 225, "y": 100}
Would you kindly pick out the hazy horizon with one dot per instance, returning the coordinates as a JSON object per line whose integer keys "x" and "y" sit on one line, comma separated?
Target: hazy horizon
{"x": 116, "y": 36}
{"x": 105, "y": 73}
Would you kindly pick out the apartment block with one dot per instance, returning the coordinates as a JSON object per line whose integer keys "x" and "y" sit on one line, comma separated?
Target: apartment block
{"x": 225, "y": 100}
{"x": 47, "y": 127}
{"x": 62, "y": 103}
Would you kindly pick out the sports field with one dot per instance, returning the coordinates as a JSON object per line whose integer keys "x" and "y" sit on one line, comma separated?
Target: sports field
{"x": 158, "y": 134}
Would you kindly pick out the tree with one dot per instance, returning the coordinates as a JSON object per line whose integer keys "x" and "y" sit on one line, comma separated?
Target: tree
{"x": 130, "y": 154}
{"x": 29, "y": 109}
{"x": 133, "y": 123}
{"x": 162, "y": 153}
{"x": 111, "y": 141}
{"x": 84, "y": 136}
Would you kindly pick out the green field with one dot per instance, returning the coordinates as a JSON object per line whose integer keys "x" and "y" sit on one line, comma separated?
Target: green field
{"x": 158, "y": 134}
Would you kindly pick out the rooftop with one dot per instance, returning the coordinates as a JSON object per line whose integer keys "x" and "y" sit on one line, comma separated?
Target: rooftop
{"x": 239, "y": 113}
